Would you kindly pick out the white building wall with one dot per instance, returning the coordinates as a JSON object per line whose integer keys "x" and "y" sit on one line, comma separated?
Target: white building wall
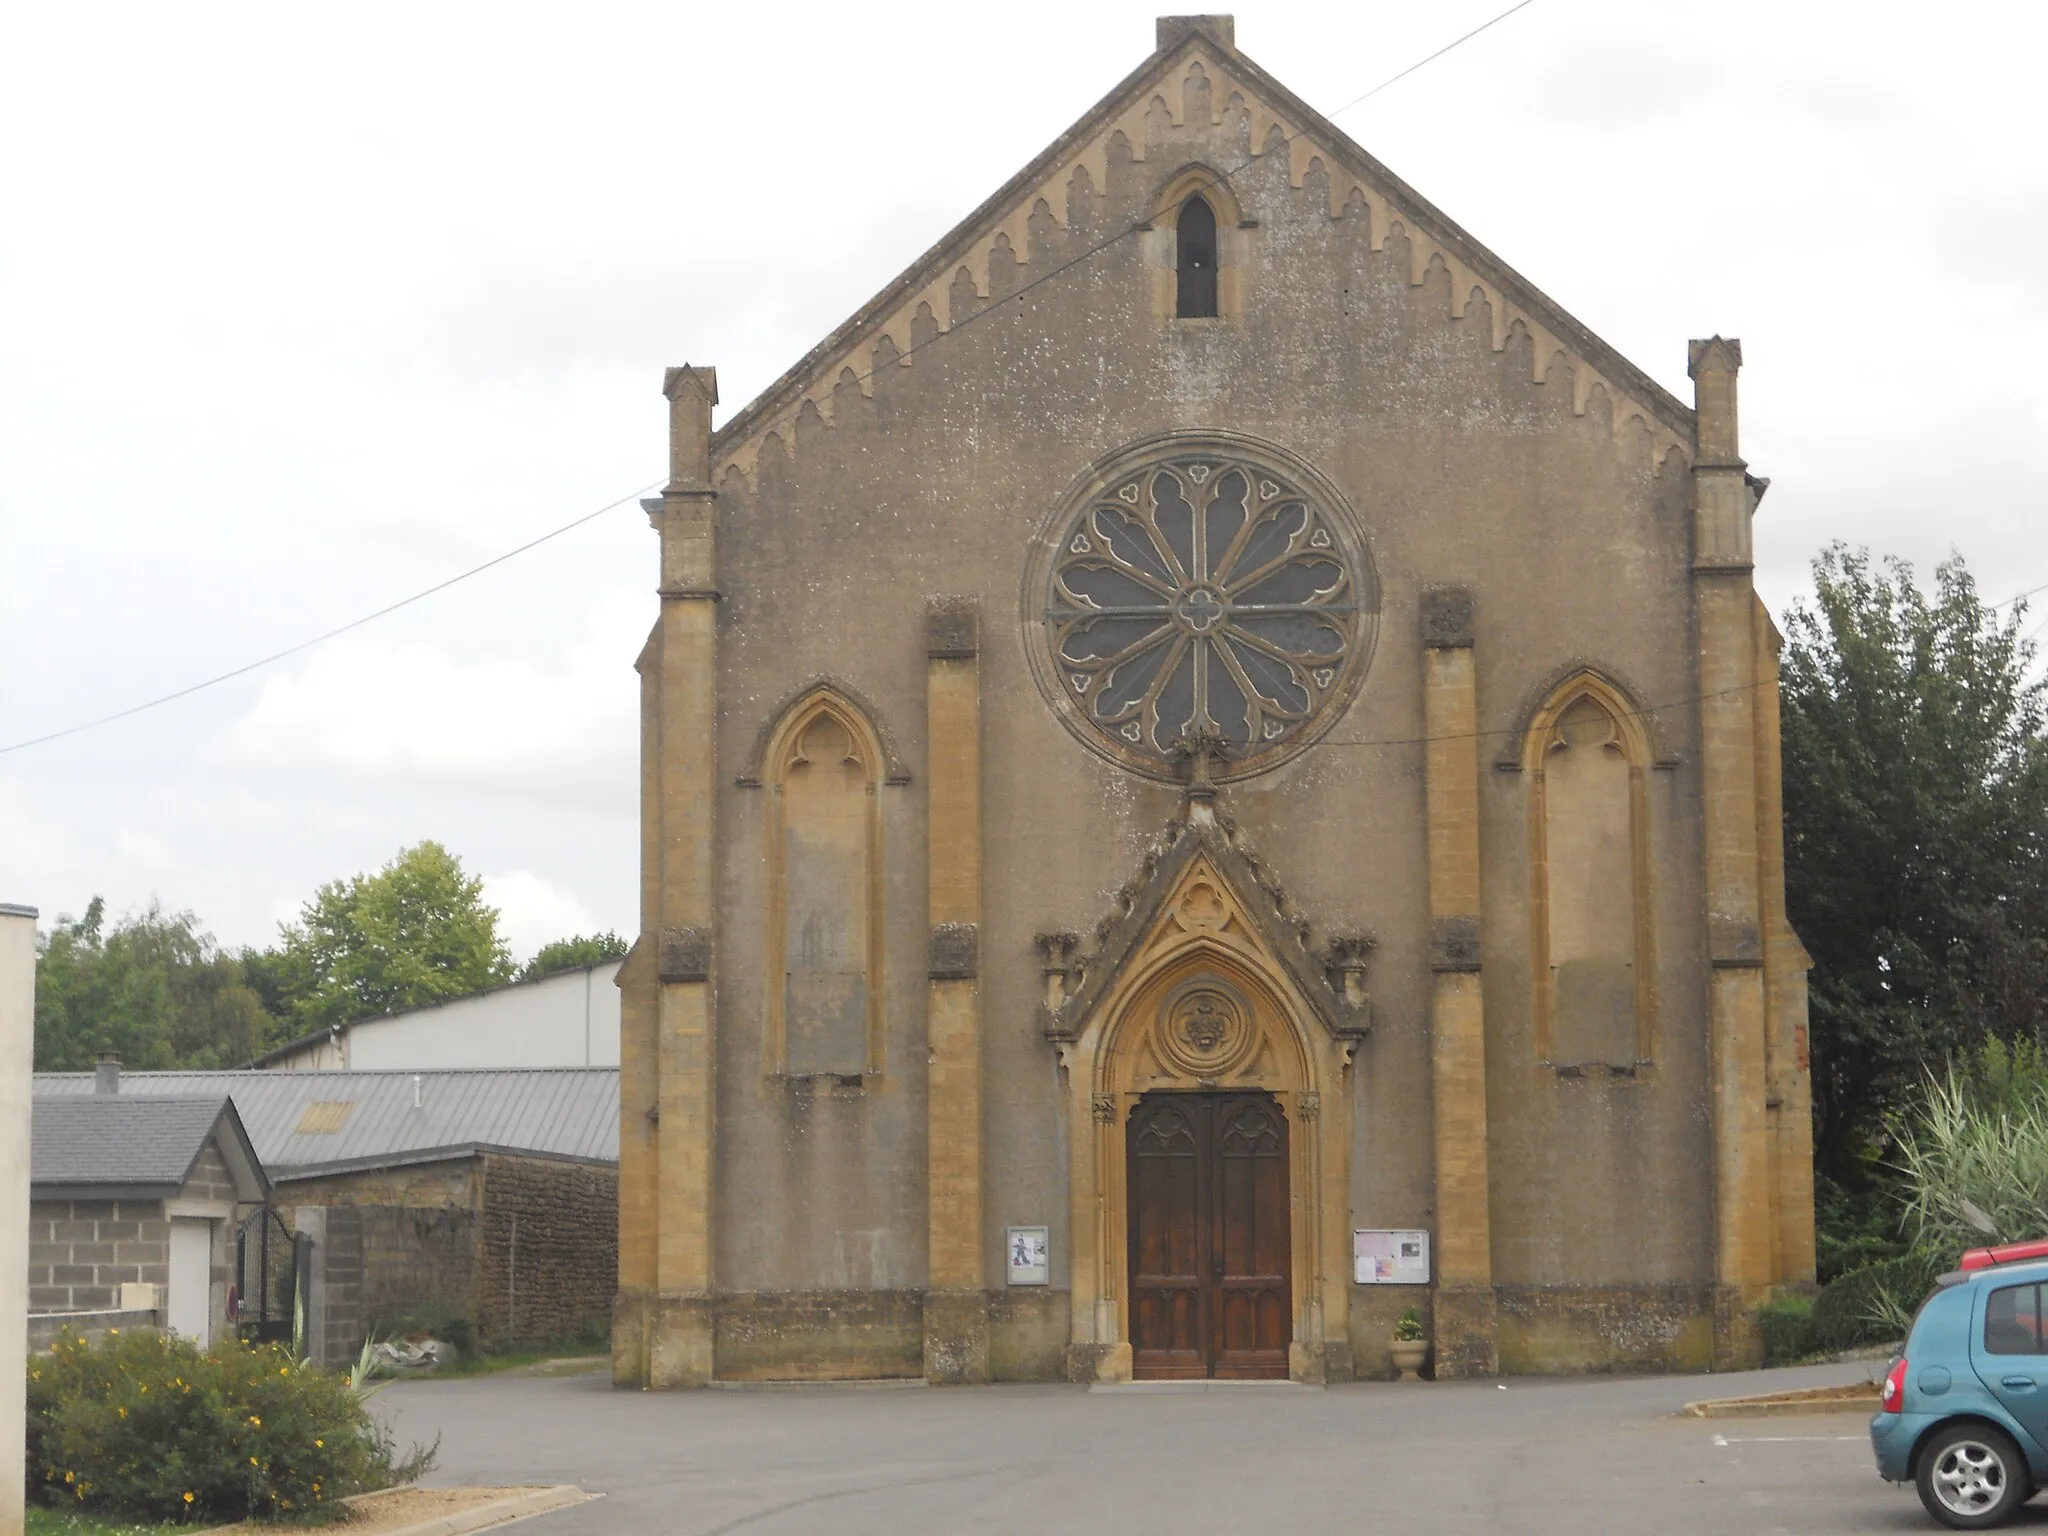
{"x": 567, "y": 1020}
{"x": 17, "y": 1049}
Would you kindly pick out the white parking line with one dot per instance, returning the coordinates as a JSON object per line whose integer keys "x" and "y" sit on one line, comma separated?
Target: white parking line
{"x": 1785, "y": 1439}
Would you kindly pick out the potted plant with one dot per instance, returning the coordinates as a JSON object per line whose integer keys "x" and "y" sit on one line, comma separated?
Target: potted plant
{"x": 1410, "y": 1345}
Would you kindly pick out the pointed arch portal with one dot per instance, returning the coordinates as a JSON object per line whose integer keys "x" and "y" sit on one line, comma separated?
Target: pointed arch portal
{"x": 1209, "y": 1154}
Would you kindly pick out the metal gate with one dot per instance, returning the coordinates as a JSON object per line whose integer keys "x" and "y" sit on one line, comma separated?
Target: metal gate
{"x": 267, "y": 1279}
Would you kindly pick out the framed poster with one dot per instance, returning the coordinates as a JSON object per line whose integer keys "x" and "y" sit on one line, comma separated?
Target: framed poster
{"x": 1389, "y": 1256}
{"x": 1030, "y": 1254}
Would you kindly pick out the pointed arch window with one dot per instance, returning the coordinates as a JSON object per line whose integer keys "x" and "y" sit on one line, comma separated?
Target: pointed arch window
{"x": 1196, "y": 257}
{"x": 1593, "y": 928}
{"x": 824, "y": 892}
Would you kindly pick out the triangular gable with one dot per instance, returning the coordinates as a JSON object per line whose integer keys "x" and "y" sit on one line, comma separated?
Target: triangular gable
{"x": 1194, "y": 70}
{"x": 1200, "y": 849}
{"x": 252, "y": 1182}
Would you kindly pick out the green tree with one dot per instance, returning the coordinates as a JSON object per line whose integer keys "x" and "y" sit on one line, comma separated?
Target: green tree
{"x": 154, "y": 988}
{"x": 1916, "y": 839}
{"x": 572, "y": 953}
{"x": 414, "y": 931}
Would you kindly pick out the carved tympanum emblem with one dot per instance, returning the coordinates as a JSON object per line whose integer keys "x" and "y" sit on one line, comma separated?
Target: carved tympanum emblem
{"x": 1201, "y": 589}
{"x": 1202, "y": 907}
{"x": 1203, "y": 1025}
{"x": 1205, "y": 1029}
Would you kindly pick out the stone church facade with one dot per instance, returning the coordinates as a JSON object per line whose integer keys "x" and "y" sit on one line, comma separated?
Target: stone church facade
{"x": 1209, "y": 718}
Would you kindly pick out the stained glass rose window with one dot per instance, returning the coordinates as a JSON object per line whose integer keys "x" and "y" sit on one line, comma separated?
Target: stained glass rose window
{"x": 1201, "y": 589}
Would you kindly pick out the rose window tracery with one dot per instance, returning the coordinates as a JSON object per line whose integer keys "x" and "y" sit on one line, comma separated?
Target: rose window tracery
{"x": 1200, "y": 591}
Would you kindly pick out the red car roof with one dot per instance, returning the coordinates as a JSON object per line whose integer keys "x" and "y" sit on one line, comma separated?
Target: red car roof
{"x": 2005, "y": 1253}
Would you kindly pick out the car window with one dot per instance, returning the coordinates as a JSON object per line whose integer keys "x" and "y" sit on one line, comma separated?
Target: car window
{"x": 2012, "y": 1321}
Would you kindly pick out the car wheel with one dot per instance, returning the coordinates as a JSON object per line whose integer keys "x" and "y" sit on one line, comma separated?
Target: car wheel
{"x": 1972, "y": 1476}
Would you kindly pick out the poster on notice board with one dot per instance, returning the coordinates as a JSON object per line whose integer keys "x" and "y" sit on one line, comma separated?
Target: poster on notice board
{"x": 1389, "y": 1256}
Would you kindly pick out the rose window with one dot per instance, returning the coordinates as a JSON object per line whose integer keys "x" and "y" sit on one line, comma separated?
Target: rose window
{"x": 1206, "y": 594}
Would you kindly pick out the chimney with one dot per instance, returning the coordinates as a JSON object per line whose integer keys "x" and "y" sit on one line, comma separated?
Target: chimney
{"x": 1220, "y": 30}
{"x": 106, "y": 1072}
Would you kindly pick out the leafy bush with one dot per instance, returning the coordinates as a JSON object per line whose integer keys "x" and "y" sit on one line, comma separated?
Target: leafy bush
{"x": 1870, "y": 1305}
{"x": 147, "y": 1427}
{"x": 1856, "y": 1227}
{"x": 1784, "y": 1326}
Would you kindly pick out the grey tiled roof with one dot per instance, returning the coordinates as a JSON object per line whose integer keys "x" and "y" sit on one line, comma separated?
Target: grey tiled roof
{"x": 309, "y": 1122}
{"x": 119, "y": 1142}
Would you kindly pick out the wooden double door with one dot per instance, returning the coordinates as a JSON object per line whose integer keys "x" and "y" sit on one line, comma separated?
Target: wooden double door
{"x": 1210, "y": 1236}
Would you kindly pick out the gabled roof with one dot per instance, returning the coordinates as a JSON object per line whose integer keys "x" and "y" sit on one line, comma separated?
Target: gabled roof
{"x": 118, "y": 1146}
{"x": 304, "y": 1124}
{"x": 1282, "y": 933}
{"x": 1198, "y": 51}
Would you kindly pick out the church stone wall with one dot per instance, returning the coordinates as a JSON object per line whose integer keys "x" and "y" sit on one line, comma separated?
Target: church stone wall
{"x": 935, "y": 476}
{"x": 1461, "y": 470}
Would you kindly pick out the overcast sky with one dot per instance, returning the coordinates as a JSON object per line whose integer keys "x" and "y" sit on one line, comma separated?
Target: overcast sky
{"x": 303, "y": 309}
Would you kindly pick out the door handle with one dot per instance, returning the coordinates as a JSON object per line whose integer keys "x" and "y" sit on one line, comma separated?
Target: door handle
{"x": 2017, "y": 1383}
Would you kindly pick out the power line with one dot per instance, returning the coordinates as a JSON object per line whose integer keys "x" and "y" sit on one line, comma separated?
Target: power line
{"x": 2020, "y": 597}
{"x": 1649, "y": 711}
{"x": 1447, "y": 47}
{"x": 770, "y": 424}
{"x": 339, "y": 629}
{"x": 1222, "y": 179}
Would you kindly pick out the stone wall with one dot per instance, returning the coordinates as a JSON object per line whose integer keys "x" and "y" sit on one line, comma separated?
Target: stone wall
{"x": 547, "y": 1250}
{"x": 526, "y": 1249}
{"x": 444, "y": 1184}
{"x": 81, "y": 1252}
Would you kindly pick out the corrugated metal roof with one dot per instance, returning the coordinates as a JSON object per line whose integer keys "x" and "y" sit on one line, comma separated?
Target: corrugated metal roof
{"x": 553, "y": 1111}
{"x": 133, "y": 1143}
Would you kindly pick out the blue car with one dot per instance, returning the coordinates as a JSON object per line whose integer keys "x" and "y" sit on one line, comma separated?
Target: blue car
{"x": 1964, "y": 1410}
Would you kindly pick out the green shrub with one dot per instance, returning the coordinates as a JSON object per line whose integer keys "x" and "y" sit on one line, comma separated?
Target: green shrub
{"x": 1784, "y": 1325}
{"x": 143, "y": 1426}
{"x": 1866, "y": 1305}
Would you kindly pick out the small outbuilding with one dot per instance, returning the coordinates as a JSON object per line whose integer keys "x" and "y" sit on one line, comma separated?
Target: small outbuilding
{"x": 134, "y": 1205}
{"x": 399, "y": 1199}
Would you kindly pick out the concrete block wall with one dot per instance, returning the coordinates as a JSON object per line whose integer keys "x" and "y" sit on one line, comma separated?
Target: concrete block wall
{"x": 81, "y": 1252}
{"x": 413, "y": 1258}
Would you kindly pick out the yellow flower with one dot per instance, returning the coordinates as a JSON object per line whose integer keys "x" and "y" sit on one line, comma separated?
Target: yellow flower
{"x": 122, "y": 1411}
{"x": 284, "y": 1370}
{"x": 321, "y": 1443}
{"x": 252, "y": 1461}
{"x": 256, "y": 1421}
{"x": 68, "y": 1476}
{"x": 188, "y": 1498}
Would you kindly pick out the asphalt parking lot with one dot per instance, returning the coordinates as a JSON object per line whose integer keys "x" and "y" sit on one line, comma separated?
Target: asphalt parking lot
{"x": 1540, "y": 1456}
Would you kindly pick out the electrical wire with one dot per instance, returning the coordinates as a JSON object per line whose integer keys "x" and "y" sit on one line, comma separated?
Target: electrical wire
{"x": 1647, "y": 712}
{"x": 773, "y": 422}
{"x": 326, "y": 635}
{"x": 1221, "y": 179}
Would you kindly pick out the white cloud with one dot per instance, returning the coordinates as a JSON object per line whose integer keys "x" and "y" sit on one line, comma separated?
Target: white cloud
{"x": 34, "y": 848}
{"x": 139, "y": 848}
{"x": 411, "y": 714}
{"x": 533, "y": 910}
